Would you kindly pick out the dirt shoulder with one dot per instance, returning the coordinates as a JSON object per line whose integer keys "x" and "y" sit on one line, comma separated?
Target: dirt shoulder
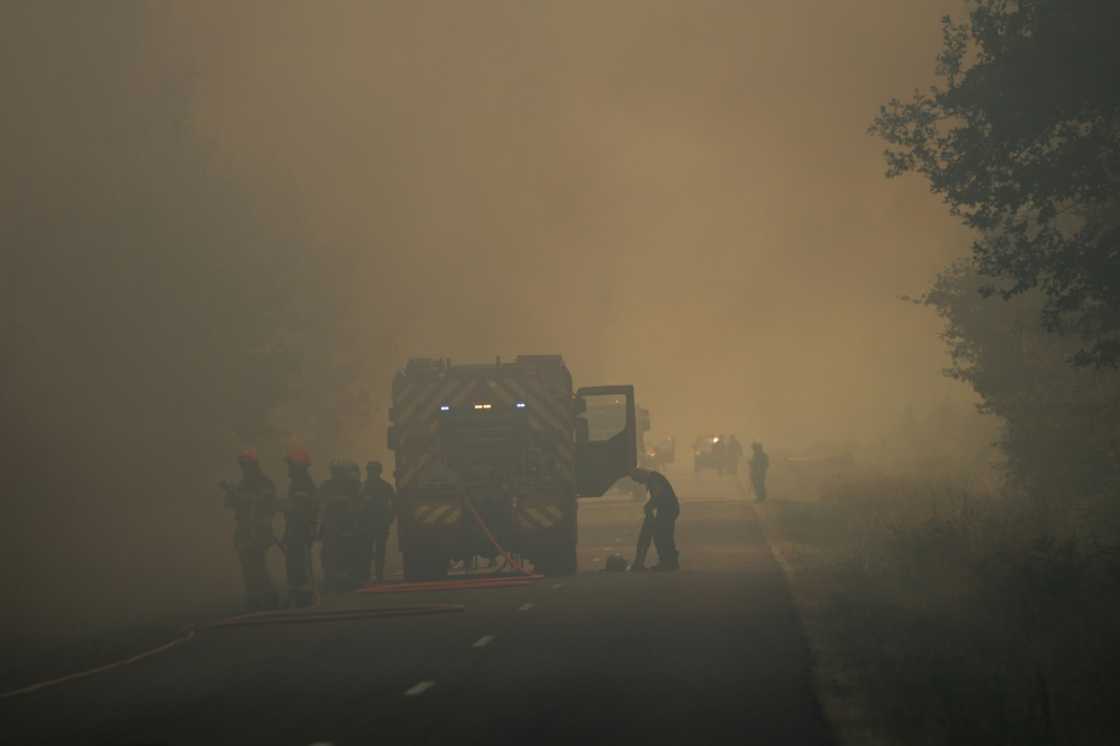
{"x": 840, "y": 696}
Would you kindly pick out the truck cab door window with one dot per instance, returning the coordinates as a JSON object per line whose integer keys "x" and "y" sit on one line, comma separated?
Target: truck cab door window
{"x": 606, "y": 438}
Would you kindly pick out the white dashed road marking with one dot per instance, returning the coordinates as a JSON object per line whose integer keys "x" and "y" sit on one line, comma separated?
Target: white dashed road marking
{"x": 525, "y": 606}
{"x": 420, "y": 688}
{"x": 483, "y": 641}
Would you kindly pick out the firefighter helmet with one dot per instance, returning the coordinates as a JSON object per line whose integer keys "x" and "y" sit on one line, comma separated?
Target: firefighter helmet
{"x": 298, "y": 456}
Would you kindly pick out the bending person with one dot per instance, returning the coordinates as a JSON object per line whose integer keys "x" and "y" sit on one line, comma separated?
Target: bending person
{"x": 664, "y": 508}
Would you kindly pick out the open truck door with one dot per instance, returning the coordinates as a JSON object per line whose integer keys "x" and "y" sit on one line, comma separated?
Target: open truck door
{"x": 606, "y": 437}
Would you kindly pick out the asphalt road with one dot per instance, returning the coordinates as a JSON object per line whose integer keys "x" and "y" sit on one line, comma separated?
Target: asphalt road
{"x": 711, "y": 654}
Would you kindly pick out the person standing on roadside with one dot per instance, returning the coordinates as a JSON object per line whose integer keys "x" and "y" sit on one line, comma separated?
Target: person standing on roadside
{"x": 760, "y": 464}
{"x": 380, "y": 499}
{"x": 300, "y": 526}
{"x": 253, "y": 500}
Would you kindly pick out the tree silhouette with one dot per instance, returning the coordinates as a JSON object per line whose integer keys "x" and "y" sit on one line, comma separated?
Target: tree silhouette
{"x": 1022, "y": 140}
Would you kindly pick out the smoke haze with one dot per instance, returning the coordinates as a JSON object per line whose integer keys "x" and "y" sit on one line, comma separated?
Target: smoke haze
{"x": 676, "y": 195}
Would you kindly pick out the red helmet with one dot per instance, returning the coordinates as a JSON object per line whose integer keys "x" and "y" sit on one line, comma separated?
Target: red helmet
{"x": 299, "y": 456}
{"x": 248, "y": 456}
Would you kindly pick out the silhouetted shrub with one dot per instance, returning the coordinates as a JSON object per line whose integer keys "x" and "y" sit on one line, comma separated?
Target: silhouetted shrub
{"x": 967, "y": 618}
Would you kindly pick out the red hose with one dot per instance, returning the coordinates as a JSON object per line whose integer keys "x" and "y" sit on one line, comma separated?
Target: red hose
{"x": 448, "y": 586}
{"x": 263, "y": 617}
{"x": 341, "y": 615}
{"x": 519, "y": 567}
{"x": 449, "y": 583}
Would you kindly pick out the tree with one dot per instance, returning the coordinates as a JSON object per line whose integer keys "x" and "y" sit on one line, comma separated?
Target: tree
{"x": 1061, "y": 424}
{"x": 1022, "y": 140}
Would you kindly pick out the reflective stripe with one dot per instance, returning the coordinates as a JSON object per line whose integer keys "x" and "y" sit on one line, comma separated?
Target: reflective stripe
{"x": 435, "y": 394}
{"x": 417, "y": 417}
{"x": 539, "y": 516}
{"x": 466, "y": 393}
{"x": 436, "y": 512}
{"x": 404, "y": 396}
{"x": 441, "y": 514}
{"x": 557, "y": 402}
{"x": 558, "y": 435}
{"x": 424, "y": 459}
{"x": 539, "y": 405}
{"x": 451, "y": 392}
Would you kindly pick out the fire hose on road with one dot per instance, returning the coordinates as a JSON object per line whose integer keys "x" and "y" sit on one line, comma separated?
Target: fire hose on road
{"x": 244, "y": 620}
{"x": 518, "y": 566}
{"x": 523, "y": 577}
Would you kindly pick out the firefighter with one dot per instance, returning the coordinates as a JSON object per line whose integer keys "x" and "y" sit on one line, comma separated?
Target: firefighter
{"x": 760, "y": 463}
{"x": 380, "y": 500}
{"x": 645, "y": 536}
{"x": 300, "y": 526}
{"x": 342, "y": 534}
{"x": 664, "y": 509}
{"x": 253, "y": 501}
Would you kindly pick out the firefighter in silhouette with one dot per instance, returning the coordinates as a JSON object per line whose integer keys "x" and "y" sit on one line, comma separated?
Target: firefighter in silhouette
{"x": 645, "y": 537}
{"x": 343, "y": 531}
{"x": 760, "y": 463}
{"x": 662, "y": 511}
{"x": 253, "y": 500}
{"x": 380, "y": 508}
{"x": 301, "y": 524}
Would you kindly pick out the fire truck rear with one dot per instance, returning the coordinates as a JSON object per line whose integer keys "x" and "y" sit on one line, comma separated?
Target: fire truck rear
{"x": 494, "y": 455}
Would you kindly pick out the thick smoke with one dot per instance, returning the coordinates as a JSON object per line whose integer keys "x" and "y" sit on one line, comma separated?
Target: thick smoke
{"x": 222, "y": 215}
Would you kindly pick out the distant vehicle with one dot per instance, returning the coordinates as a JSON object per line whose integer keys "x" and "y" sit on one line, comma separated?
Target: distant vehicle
{"x": 496, "y": 454}
{"x": 707, "y": 453}
{"x": 661, "y": 453}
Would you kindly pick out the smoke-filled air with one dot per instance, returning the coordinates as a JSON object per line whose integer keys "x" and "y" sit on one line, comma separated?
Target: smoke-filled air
{"x": 227, "y": 228}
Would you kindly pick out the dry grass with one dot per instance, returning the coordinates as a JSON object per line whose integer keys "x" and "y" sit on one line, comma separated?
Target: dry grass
{"x": 967, "y": 618}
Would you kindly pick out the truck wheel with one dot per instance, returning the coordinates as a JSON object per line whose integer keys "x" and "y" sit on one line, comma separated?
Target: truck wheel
{"x": 421, "y": 567}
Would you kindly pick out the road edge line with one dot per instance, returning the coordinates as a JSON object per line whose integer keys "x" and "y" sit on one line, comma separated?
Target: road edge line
{"x": 848, "y": 716}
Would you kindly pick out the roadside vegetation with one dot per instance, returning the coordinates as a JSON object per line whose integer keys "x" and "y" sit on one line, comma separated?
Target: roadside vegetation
{"x": 962, "y": 617}
{"x": 965, "y": 609}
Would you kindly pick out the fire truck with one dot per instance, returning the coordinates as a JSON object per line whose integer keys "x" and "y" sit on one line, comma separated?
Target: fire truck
{"x": 491, "y": 458}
